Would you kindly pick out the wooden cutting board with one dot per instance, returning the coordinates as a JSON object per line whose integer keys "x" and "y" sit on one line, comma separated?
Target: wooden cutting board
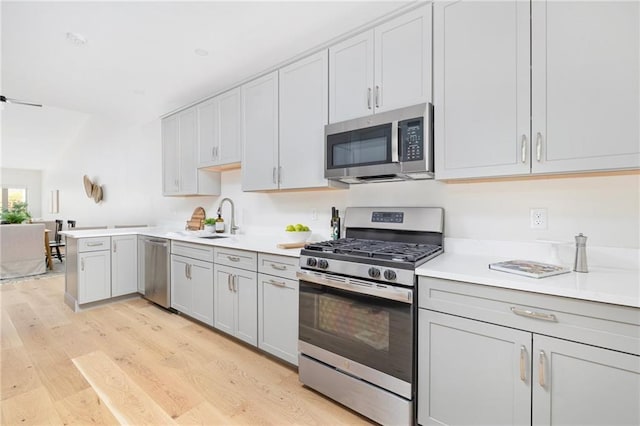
{"x": 290, "y": 245}
{"x": 196, "y": 222}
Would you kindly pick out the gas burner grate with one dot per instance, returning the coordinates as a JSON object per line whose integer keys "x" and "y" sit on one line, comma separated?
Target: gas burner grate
{"x": 375, "y": 249}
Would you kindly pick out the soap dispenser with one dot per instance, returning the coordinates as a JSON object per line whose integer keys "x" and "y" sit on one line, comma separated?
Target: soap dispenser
{"x": 580, "y": 263}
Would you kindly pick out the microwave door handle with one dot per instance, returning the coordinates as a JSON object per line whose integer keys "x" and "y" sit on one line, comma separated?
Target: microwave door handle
{"x": 394, "y": 142}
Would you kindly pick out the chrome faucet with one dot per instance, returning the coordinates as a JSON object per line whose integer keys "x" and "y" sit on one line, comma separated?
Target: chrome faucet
{"x": 233, "y": 227}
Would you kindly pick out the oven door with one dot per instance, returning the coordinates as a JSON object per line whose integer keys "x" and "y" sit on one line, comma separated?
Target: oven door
{"x": 363, "y": 328}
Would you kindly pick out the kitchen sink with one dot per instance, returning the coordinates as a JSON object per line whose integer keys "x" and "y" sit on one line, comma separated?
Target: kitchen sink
{"x": 212, "y": 237}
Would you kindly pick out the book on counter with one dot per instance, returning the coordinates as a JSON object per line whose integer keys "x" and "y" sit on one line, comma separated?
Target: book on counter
{"x": 529, "y": 268}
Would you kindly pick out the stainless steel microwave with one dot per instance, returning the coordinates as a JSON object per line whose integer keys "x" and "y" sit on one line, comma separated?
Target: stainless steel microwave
{"x": 389, "y": 146}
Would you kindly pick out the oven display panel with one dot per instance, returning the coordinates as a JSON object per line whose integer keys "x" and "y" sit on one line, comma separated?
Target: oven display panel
{"x": 387, "y": 217}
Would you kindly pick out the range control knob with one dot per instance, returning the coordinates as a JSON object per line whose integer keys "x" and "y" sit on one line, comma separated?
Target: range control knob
{"x": 390, "y": 275}
{"x": 374, "y": 272}
{"x": 323, "y": 264}
{"x": 312, "y": 261}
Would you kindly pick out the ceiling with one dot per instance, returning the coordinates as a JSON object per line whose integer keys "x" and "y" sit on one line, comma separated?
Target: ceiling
{"x": 139, "y": 60}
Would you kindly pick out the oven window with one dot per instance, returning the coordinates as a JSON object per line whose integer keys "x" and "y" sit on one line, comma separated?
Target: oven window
{"x": 372, "y": 331}
{"x": 359, "y": 147}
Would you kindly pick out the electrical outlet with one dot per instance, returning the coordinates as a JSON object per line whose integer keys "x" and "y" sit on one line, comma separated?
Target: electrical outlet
{"x": 314, "y": 214}
{"x": 538, "y": 218}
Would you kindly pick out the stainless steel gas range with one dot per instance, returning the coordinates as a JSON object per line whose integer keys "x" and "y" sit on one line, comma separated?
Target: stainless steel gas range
{"x": 358, "y": 309}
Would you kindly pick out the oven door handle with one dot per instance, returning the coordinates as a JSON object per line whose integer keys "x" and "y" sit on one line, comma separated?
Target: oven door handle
{"x": 392, "y": 293}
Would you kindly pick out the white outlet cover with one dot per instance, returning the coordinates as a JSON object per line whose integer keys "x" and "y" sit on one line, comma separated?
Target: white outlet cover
{"x": 538, "y": 218}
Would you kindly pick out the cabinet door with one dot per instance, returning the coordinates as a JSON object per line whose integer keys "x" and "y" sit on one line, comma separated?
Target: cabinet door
{"x": 246, "y": 289}
{"x": 181, "y": 291}
{"x": 188, "y": 132}
{"x": 260, "y": 133}
{"x": 351, "y": 78}
{"x": 303, "y": 114}
{"x": 230, "y": 125}
{"x": 583, "y": 385}
{"x": 481, "y": 88}
{"x": 124, "y": 264}
{"x": 278, "y": 317}
{"x": 224, "y": 300}
{"x": 201, "y": 277}
{"x": 170, "y": 155}
{"x": 585, "y": 85}
{"x": 403, "y": 61}
{"x": 207, "y": 133}
{"x": 471, "y": 372}
{"x": 94, "y": 277}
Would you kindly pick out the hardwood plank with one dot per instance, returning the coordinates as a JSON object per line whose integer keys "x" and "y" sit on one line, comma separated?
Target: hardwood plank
{"x": 57, "y": 373}
{"x": 125, "y": 399}
{"x": 30, "y": 408}
{"x": 205, "y": 414}
{"x": 84, "y": 408}
{"x": 9, "y": 337}
{"x": 18, "y": 374}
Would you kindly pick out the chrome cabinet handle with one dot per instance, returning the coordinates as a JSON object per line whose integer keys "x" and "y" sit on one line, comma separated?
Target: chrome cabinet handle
{"x": 541, "y": 366}
{"x": 523, "y": 148}
{"x": 233, "y": 258}
{"x": 280, "y": 174}
{"x": 539, "y": 146}
{"x": 82, "y": 264}
{"x": 278, "y": 267}
{"x": 377, "y": 96}
{"x": 278, "y": 283}
{"x": 523, "y": 363}
{"x": 533, "y": 314}
{"x": 115, "y": 247}
{"x": 273, "y": 175}
{"x": 234, "y": 283}
{"x": 186, "y": 271}
{"x": 94, "y": 244}
{"x": 369, "y": 97}
{"x": 229, "y": 282}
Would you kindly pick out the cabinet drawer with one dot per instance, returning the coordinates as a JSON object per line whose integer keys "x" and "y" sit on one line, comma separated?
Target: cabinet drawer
{"x": 194, "y": 251}
{"x": 236, "y": 258}
{"x": 94, "y": 244}
{"x": 281, "y": 266}
{"x": 599, "y": 324}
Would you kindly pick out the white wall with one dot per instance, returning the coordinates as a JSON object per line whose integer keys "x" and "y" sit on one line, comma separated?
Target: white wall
{"x": 30, "y": 179}
{"x": 127, "y": 162}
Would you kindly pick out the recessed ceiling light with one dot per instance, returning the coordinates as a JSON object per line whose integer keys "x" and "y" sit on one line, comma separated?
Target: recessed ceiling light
{"x": 77, "y": 39}
{"x": 201, "y": 52}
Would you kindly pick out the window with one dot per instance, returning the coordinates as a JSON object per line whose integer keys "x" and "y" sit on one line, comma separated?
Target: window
{"x": 13, "y": 195}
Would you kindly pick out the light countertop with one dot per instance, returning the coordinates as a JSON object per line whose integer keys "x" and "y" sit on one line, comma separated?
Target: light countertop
{"x": 601, "y": 284}
{"x": 257, "y": 243}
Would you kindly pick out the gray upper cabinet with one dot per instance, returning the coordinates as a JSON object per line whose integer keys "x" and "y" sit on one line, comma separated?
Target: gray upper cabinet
{"x": 179, "y": 157}
{"x": 260, "y": 133}
{"x": 219, "y": 131}
{"x": 385, "y": 68}
{"x": 524, "y": 88}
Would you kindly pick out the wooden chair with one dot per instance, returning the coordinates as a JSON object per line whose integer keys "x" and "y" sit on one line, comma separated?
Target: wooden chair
{"x": 57, "y": 240}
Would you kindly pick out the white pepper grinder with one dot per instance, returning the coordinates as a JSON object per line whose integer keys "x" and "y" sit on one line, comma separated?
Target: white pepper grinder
{"x": 580, "y": 263}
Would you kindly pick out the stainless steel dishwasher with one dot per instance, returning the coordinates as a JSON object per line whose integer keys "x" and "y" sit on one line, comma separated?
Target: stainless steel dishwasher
{"x": 156, "y": 270}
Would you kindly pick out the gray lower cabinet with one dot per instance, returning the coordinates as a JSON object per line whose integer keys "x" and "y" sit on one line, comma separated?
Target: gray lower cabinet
{"x": 236, "y": 294}
{"x": 124, "y": 264}
{"x": 94, "y": 276}
{"x": 192, "y": 280}
{"x": 497, "y": 356}
{"x": 278, "y": 306}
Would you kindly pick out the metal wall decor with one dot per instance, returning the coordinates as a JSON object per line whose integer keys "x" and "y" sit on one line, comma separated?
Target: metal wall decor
{"x": 93, "y": 190}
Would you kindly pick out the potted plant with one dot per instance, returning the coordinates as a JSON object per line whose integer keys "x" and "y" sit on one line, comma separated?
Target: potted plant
{"x": 16, "y": 214}
{"x": 210, "y": 224}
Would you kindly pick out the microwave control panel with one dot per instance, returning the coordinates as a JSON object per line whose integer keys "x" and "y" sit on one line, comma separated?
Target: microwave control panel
{"x": 412, "y": 139}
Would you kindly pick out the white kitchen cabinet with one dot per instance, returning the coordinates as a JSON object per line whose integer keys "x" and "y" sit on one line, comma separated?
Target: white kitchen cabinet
{"x": 470, "y": 364}
{"x": 513, "y": 357}
{"x": 524, "y": 88}
{"x": 219, "y": 126}
{"x": 179, "y": 147}
{"x": 93, "y": 269}
{"x": 278, "y": 293}
{"x": 382, "y": 69}
{"x": 236, "y": 300}
{"x": 192, "y": 279}
{"x": 124, "y": 264}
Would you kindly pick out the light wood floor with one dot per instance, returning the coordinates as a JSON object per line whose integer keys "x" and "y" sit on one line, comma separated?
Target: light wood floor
{"x": 133, "y": 363}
